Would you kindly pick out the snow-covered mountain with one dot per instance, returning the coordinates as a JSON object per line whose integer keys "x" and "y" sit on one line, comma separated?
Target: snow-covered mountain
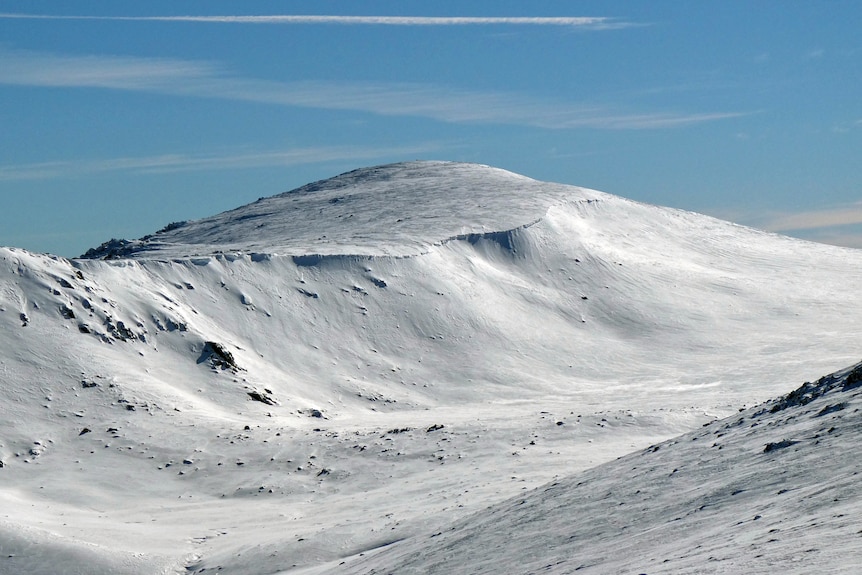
{"x": 366, "y": 359}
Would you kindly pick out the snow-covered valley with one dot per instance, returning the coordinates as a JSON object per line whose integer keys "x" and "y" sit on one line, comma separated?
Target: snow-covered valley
{"x": 324, "y": 380}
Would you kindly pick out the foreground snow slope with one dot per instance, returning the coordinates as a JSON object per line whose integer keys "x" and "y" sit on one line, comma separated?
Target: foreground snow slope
{"x": 772, "y": 489}
{"x": 326, "y": 371}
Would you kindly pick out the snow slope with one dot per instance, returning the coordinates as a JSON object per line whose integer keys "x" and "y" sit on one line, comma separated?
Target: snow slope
{"x": 363, "y": 359}
{"x": 772, "y": 489}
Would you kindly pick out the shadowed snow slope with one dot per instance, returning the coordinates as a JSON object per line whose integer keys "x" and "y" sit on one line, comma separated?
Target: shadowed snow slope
{"x": 327, "y": 371}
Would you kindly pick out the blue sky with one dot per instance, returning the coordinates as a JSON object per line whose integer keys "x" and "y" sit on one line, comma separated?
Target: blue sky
{"x": 119, "y": 117}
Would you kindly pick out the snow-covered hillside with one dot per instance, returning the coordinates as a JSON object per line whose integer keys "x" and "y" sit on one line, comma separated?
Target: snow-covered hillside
{"x": 772, "y": 489}
{"x": 361, "y": 360}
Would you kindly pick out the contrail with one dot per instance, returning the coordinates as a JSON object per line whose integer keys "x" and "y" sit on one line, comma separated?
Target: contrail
{"x": 595, "y": 22}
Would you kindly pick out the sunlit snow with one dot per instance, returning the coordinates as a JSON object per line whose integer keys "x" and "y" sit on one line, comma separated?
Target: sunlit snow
{"x": 375, "y": 372}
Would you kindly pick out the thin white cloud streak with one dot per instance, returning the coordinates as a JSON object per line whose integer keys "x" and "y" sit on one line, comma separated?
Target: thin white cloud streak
{"x": 171, "y": 163}
{"x": 26, "y": 68}
{"x": 815, "y": 219}
{"x": 590, "y": 22}
{"x": 206, "y": 80}
{"x": 836, "y": 238}
{"x": 454, "y": 106}
{"x": 838, "y": 226}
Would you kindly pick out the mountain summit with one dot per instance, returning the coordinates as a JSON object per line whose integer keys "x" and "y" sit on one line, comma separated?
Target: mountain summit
{"x": 396, "y": 209}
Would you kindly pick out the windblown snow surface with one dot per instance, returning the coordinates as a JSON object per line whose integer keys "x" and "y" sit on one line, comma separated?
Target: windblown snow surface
{"x": 431, "y": 367}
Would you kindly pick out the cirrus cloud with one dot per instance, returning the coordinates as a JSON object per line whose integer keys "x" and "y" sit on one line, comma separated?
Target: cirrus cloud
{"x": 207, "y": 80}
{"x": 589, "y": 22}
{"x": 847, "y": 215}
{"x": 226, "y": 160}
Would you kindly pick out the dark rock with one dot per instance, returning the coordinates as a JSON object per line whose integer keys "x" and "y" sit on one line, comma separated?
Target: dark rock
{"x": 831, "y": 409}
{"x": 261, "y": 397}
{"x": 122, "y": 332}
{"x": 174, "y": 326}
{"x": 218, "y": 356}
{"x": 67, "y": 312}
{"x": 854, "y": 379}
{"x": 778, "y": 445}
{"x": 111, "y": 249}
{"x": 172, "y": 226}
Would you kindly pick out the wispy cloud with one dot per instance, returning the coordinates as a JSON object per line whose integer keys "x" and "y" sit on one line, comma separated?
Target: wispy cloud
{"x": 207, "y": 80}
{"x": 846, "y": 127}
{"x": 25, "y": 68}
{"x": 839, "y": 237}
{"x": 591, "y": 22}
{"x": 168, "y": 163}
{"x": 847, "y": 215}
{"x": 839, "y": 225}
